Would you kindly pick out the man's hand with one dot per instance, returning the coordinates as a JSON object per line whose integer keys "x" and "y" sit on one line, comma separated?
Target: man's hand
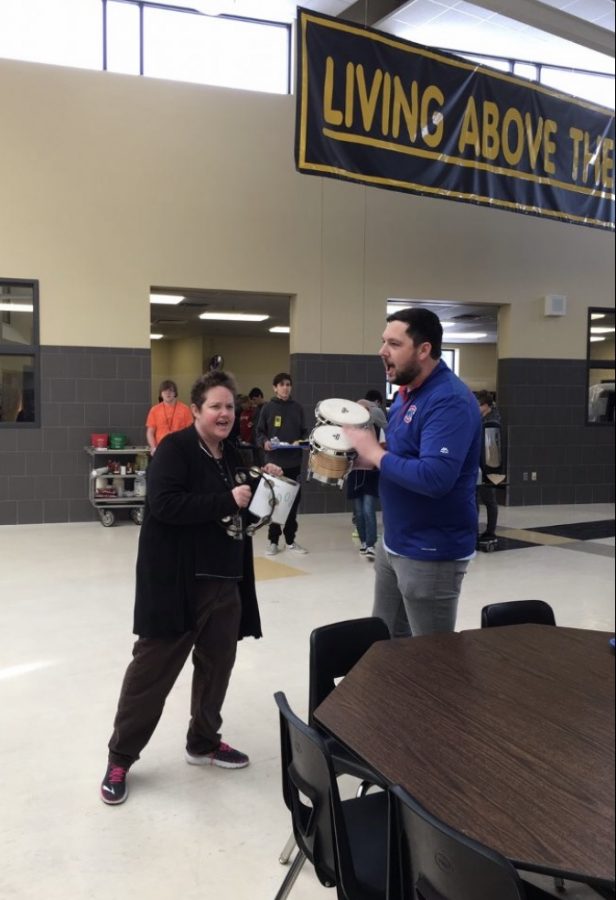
{"x": 242, "y": 495}
{"x": 365, "y": 442}
{"x": 267, "y": 446}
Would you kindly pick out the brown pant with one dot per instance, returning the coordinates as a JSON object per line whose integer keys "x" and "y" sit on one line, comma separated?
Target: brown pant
{"x": 156, "y": 664}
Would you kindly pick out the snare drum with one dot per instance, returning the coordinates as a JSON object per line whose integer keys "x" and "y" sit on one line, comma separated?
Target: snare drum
{"x": 335, "y": 411}
{"x": 331, "y": 455}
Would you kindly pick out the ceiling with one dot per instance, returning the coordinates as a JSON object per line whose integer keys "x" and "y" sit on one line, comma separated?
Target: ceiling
{"x": 182, "y": 321}
{"x": 577, "y": 33}
{"x": 466, "y": 318}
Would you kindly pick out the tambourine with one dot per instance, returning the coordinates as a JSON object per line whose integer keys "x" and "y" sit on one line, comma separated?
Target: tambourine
{"x": 271, "y": 502}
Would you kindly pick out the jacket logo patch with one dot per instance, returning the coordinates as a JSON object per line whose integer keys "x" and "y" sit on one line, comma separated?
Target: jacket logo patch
{"x": 410, "y": 413}
{"x": 277, "y": 421}
{"x": 444, "y": 451}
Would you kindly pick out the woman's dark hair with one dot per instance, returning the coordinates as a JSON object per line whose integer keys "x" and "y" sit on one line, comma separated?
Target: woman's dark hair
{"x": 485, "y": 397}
{"x": 255, "y": 392}
{"x": 205, "y": 383}
{"x": 422, "y": 325}
{"x": 374, "y": 396}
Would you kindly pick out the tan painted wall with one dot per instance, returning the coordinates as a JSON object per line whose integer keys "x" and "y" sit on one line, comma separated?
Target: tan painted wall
{"x": 115, "y": 183}
{"x": 478, "y": 365}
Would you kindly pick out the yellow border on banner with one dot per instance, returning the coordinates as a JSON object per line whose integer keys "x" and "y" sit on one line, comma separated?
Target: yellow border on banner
{"x": 474, "y": 198}
{"x": 351, "y": 138}
{"x": 459, "y": 64}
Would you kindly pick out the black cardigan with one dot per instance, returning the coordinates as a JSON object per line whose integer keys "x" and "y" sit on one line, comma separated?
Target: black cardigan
{"x": 181, "y": 536}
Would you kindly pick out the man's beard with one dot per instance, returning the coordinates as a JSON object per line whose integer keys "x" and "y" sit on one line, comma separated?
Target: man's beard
{"x": 408, "y": 375}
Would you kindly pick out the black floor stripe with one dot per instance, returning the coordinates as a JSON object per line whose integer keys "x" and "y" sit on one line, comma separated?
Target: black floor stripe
{"x": 505, "y": 543}
{"x": 581, "y": 531}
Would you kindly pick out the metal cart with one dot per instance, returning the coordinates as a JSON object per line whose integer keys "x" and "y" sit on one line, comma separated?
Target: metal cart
{"x": 122, "y": 489}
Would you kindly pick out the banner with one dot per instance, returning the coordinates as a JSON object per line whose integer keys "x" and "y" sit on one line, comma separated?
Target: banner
{"x": 382, "y": 111}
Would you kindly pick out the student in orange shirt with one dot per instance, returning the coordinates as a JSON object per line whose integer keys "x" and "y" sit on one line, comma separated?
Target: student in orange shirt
{"x": 167, "y": 416}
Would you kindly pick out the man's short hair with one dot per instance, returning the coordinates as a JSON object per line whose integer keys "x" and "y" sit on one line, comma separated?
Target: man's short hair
{"x": 421, "y": 325}
{"x": 168, "y": 385}
{"x": 254, "y": 393}
{"x": 484, "y": 397}
{"x": 282, "y": 376}
{"x": 209, "y": 380}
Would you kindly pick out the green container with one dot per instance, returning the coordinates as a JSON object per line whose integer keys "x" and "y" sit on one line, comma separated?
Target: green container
{"x": 117, "y": 441}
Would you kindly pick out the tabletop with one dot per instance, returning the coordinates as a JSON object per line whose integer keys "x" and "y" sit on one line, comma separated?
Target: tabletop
{"x": 507, "y": 734}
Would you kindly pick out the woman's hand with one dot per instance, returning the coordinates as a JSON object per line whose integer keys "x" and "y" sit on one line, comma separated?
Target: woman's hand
{"x": 242, "y": 495}
{"x": 272, "y": 469}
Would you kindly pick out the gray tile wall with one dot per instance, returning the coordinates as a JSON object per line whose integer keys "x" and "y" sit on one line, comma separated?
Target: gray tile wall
{"x": 44, "y": 469}
{"x": 543, "y": 406}
{"x": 317, "y": 377}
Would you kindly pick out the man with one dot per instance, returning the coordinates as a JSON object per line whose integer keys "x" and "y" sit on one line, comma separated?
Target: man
{"x": 427, "y": 480}
{"x": 167, "y": 416}
{"x": 282, "y": 422}
{"x": 490, "y": 462}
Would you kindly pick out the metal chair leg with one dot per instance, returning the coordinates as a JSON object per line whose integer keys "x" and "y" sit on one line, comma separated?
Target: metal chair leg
{"x": 291, "y": 876}
{"x": 285, "y": 856}
{"x": 559, "y": 884}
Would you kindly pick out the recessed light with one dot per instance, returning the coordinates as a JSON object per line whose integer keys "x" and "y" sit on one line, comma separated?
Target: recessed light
{"x": 156, "y": 337}
{"x": 593, "y": 340}
{"x": 167, "y": 299}
{"x": 280, "y": 329}
{"x": 597, "y": 315}
{"x": 466, "y": 336}
{"x": 233, "y": 317}
{"x": 16, "y": 307}
{"x": 601, "y": 329}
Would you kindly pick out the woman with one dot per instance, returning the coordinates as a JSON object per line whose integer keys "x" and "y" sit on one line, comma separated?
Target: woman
{"x": 167, "y": 416}
{"x": 195, "y": 587}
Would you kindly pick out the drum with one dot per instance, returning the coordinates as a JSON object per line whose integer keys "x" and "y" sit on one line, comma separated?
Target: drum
{"x": 273, "y": 499}
{"x": 331, "y": 455}
{"x": 341, "y": 412}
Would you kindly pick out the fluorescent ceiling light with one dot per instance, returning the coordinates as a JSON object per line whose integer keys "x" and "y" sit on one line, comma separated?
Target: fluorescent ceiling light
{"x": 601, "y": 329}
{"x": 594, "y": 339}
{"x": 234, "y": 317}
{"x": 16, "y": 307}
{"x": 156, "y": 337}
{"x": 597, "y": 315}
{"x": 449, "y": 324}
{"x": 280, "y": 329}
{"x": 466, "y": 336}
{"x": 167, "y": 299}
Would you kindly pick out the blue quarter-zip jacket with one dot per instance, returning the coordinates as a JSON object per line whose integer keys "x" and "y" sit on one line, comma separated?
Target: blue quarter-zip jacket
{"x": 429, "y": 474}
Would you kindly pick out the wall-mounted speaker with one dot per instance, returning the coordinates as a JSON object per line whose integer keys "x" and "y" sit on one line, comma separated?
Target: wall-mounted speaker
{"x": 555, "y": 305}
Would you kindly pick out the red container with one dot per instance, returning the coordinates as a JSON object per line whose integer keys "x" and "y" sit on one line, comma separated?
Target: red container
{"x": 99, "y": 441}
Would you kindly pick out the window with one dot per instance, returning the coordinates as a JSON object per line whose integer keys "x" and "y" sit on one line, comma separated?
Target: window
{"x": 19, "y": 353}
{"x": 601, "y": 366}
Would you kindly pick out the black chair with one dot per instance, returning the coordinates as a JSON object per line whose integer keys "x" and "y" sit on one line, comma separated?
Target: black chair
{"x": 517, "y": 612}
{"x": 345, "y": 840}
{"x": 428, "y": 860}
{"x": 334, "y": 650}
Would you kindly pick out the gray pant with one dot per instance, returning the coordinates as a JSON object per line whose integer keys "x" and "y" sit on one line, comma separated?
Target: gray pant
{"x": 416, "y": 597}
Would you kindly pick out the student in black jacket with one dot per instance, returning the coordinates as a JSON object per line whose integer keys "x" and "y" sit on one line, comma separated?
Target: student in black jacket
{"x": 282, "y": 421}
